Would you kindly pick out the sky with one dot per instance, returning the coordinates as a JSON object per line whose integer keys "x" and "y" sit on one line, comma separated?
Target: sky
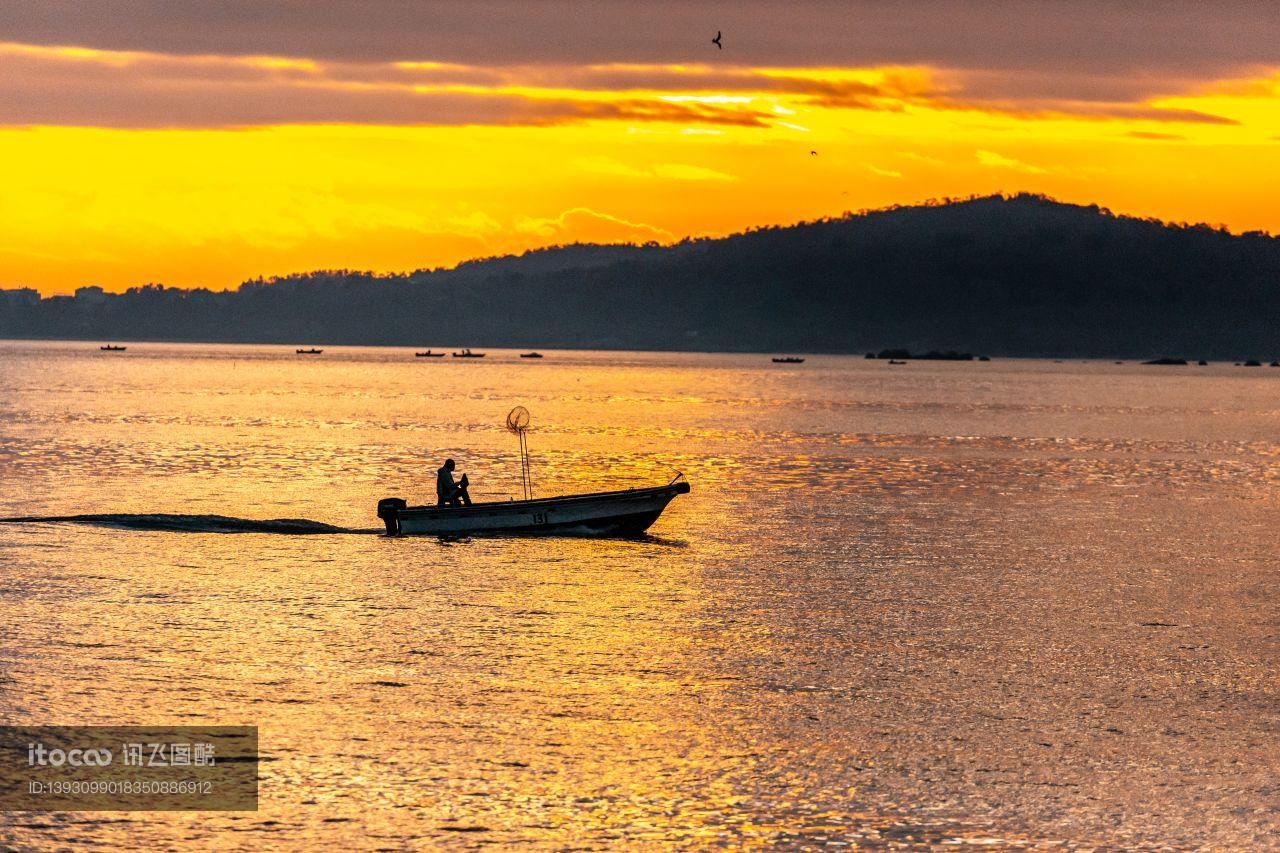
{"x": 197, "y": 143}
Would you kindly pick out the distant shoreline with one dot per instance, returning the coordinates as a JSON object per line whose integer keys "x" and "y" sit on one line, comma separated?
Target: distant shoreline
{"x": 1021, "y": 276}
{"x": 136, "y": 346}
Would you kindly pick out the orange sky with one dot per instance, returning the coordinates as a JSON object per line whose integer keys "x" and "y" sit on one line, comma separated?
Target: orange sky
{"x": 123, "y": 166}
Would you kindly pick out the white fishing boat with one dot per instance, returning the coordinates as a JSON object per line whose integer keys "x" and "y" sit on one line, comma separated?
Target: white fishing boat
{"x": 622, "y": 513}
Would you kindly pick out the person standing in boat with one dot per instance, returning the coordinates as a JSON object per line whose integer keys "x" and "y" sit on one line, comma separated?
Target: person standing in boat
{"x": 449, "y": 493}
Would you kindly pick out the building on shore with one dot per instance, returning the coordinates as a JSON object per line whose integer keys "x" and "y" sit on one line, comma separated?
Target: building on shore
{"x": 19, "y": 296}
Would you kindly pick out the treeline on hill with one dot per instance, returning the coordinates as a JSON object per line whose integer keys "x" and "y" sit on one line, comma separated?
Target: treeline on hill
{"x": 1021, "y": 275}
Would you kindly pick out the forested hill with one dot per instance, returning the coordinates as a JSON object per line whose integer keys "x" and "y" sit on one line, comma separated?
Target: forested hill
{"x": 1022, "y": 275}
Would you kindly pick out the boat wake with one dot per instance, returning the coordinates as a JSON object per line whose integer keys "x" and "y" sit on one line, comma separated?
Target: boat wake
{"x": 194, "y": 523}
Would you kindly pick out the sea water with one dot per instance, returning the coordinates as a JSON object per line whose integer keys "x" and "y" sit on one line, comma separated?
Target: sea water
{"x": 1013, "y": 603}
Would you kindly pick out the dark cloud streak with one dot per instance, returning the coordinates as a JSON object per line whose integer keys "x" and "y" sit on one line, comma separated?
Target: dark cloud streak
{"x": 174, "y": 104}
{"x": 1158, "y": 37}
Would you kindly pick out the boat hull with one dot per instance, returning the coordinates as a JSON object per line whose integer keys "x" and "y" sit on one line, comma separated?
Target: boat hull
{"x": 613, "y": 514}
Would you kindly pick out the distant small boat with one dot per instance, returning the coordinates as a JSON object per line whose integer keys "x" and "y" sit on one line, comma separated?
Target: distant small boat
{"x": 466, "y": 353}
{"x": 309, "y": 351}
{"x": 110, "y": 348}
{"x": 895, "y": 361}
{"x": 429, "y": 354}
{"x": 788, "y": 360}
{"x": 531, "y": 355}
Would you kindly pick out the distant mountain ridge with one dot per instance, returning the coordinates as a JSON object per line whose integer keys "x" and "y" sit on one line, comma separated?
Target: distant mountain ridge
{"x": 1020, "y": 276}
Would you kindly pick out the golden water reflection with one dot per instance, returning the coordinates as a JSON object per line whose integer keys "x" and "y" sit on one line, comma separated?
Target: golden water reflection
{"x": 896, "y": 610}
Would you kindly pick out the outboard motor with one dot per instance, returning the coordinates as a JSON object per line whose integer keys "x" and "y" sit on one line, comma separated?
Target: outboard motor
{"x": 389, "y": 512}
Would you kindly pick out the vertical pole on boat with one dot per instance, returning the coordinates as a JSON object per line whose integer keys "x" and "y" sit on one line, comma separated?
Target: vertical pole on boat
{"x": 529, "y": 471}
{"x": 524, "y": 472}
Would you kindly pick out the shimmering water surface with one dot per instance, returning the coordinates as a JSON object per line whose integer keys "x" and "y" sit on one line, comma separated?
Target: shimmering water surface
{"x": 1009, "y": 603}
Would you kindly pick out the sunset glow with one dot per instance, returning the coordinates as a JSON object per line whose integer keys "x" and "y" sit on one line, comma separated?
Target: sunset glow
{"x": 123, "y": 167}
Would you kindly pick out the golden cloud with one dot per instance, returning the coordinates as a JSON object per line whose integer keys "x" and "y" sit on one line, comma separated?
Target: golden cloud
{"x": 70, "y": 85}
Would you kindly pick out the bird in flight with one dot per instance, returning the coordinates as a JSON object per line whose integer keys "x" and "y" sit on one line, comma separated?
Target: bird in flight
{"x": 813, "y": 153}
{"x": 716, "y": 41}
